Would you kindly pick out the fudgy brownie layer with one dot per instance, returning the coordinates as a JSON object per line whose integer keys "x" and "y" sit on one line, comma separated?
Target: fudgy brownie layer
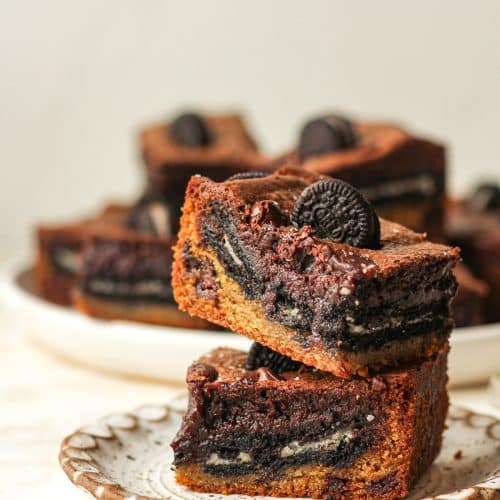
{"x": 128, "y": 268}
{"x": 327, "y": 296}
{"x": 251, "y": 432}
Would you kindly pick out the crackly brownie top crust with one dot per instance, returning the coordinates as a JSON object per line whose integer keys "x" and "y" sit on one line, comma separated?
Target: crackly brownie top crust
{"x": 375, "y": 142}
{"x": 230, "y": 144}
{"x": 227, "y": 366}
{"x": 399, "y": 246}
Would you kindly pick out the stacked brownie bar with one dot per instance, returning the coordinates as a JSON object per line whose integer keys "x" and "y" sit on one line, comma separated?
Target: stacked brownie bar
{"x": 343, "y": 394}
{"x": 402, "y": 175}
{"x": 118, "y": 265}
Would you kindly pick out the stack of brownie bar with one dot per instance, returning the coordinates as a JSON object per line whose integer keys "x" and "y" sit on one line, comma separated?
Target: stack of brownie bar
{"x": 117, "y": 265}
{"x": 343, "y": 393}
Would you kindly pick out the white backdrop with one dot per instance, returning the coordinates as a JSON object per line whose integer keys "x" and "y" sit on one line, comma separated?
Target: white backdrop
{"x": 78, "y": 77}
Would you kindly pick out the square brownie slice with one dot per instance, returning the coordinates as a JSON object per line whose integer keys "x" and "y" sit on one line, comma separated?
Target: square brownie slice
{"x": 126, "y": 270}
{"x": 217, "y": 146}
{"x": 58, "y": 261}
{"x": 401, "y": 174}
{"x": 330, "y": 305}
{"x": 306, "y": 433}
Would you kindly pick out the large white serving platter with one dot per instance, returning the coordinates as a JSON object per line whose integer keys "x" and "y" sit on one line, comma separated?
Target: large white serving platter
{"x": 161, "y": 352}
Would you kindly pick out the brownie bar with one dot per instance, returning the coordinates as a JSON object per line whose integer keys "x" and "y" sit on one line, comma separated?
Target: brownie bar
{"x": 229, "y": 149}
{"x": 477, "y": 232}
{"x": 333, "y": 306}
{"x": 307, "y": 433}
{"x": 402, "y": 175}
{"x": 58, "y": 260}
{"x": 468, "y": 305}
{"x": 126, "y": 274}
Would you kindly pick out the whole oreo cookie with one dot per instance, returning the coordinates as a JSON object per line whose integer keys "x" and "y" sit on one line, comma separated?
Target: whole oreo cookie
{"x": 338, "y": 212}
{"x": 247, "y": 175}
{"x": 326, "y": 134}
{"x": 260, "y": 356}
{"x": 150, "y": 217}
{"x": 191, "y": 130}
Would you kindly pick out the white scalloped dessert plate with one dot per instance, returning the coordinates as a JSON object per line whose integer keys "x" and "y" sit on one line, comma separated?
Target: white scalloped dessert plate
{"x": 122, "y": 347}
{"x": 126, "y": 456}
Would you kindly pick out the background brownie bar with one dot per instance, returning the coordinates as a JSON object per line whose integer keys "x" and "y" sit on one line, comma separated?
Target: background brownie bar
{"x": 402, "y": 175}
{"x": 126, "y": 275}
{"x": 468, "y": 305}
{"x": 307, "y": 433}
{"x": 333, "y": 306}
{"x": 229, "y": 149}
{"x": 477, "y": 232}
{"x": 59, "y": 251}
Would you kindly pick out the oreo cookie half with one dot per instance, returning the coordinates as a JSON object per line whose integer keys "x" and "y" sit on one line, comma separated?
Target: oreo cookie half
{"x": 326, "y": 134}
{"x": 191, "y": 130}
{"x": 260, "y": 356}
{"x": 339, "y": 212}
{"x": 247, "y": 175}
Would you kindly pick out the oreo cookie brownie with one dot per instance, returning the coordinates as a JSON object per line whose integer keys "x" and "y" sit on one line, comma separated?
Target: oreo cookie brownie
{"x": 266, "y": 426}
{"x": 126, "y": 270}
{"x": 402, "y": 175}
{"x": 302, "y": 264}
{"x": 217, "y": 146}
{"x": 58, "y": 261}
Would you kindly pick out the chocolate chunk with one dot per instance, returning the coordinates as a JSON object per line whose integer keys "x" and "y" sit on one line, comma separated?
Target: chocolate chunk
{"x": 191, "y": 130}
{"x": 151, "y": 217}
{"x": 247, "y": 175}
{"x": 326, "y": 134}
{"x": 260, "y": 356}
{"x": 485, "y": 197}
{"x": 338, "y": 212}
{"x": 268, "y": 212}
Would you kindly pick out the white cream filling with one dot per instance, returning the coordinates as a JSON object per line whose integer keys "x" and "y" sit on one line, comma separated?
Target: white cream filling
{"x": 242, "y": 458}
{"x": 394, "y": 322}
{"x": 328, "y": 443}
{"x": 422, "y": 184}
{"x": 109, "y": 287}
{"x": 231, "y": 252}
{"x": 68, "y": 259}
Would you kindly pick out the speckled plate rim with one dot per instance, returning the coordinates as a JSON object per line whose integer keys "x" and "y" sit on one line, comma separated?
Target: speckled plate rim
{"x": 84, "y": 472}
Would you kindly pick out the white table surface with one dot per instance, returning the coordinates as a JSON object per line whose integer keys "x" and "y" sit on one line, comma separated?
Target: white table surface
{"x": 43, "y": 398}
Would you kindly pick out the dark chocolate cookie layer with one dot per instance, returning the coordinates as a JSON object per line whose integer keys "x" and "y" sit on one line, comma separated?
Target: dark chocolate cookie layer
{"x": 128, "y": 270}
